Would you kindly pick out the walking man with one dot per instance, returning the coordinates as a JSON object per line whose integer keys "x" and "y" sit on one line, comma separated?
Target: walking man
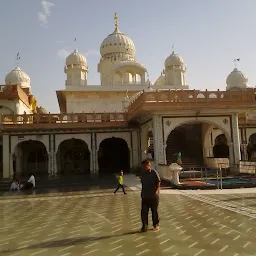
{"x": 150, "y": 196}
{"x": 120, "y": 182}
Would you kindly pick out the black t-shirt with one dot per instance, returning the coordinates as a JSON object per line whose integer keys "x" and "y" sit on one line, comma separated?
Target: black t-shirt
{"x": 149, "y": 182}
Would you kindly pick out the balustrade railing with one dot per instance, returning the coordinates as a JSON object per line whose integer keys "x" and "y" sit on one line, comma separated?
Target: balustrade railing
{"x": 63, "y": 118}
{"x": 193, "y": 96}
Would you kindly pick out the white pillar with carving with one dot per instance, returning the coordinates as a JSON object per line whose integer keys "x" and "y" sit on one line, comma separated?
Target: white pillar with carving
{"x": 158, "y": 140}
{"x": 236, "y": 139}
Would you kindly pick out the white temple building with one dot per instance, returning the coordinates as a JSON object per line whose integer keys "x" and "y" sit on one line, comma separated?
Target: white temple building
{"x": 103, "y": 129}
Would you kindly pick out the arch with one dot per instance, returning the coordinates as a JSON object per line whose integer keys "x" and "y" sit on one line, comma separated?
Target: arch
{"x": 251, "y": 147}
{"x": 138, "y": 78}
{"x": 6, "y": 110}
{"x": 30, "y": 156}
{"x": 127, "y": 77}
{"x": 113, "y": 156}
{"x": 171, "y": 125}
{"x": 73, "y": 157}
{"x": 220, "y": 148}
{"x": 192, "y": 148}
{"x": 252, "y": 140}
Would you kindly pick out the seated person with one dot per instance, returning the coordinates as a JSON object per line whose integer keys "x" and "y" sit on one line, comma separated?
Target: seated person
{"x": 31, "y": 183}
{"x": 15, "y": 186}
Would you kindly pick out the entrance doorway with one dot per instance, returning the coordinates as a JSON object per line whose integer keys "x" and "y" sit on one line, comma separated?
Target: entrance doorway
{"x": 186, "y": 139}
{"x": 73, "y": 157}
{"x": 113, "y": 156}
{"x": 221, "y": 149}
{"x": 30, "y": 156}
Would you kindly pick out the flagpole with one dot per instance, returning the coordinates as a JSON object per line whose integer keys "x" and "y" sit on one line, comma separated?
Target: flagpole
{"x": 17, "y": 58}
{"x": 235, "y": 61}
{"x": 75, "y": 43}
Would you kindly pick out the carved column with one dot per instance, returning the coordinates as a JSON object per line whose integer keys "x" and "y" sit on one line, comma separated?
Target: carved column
{"x": 158, "y": 140}
{"x": 236, "y": 139}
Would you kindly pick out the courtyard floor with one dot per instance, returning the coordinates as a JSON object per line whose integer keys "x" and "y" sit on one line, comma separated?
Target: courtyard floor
{"x": 98, "y": 224}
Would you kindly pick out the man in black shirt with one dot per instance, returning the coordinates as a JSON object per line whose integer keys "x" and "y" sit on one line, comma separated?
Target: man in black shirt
{"x": 150, "y": 196}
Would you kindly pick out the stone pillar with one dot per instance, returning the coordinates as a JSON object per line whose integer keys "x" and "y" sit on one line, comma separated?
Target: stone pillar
{"x": 93, "y": 161}
{"x": 143, "y": 80}
{"x": 131, "y": 157}
{"x": 6, "y": 157}
{"x": 52, "y": 167}
{"x": 231, "y": 154}
{"x": 158, "y": 140}
{"x": 243, "y": 144}
{"x": 11, "y": 165}
{"x": 236, "y": 139}
{"x": 49, "y": 152}
{"x": 135, "y": 149}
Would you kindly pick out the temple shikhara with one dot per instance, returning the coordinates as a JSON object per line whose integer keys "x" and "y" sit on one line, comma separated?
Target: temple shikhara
{"x": 112, "y": 127}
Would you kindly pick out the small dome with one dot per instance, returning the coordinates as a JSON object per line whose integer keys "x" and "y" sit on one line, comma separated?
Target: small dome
{"x": 17, "y": 76}
{"x": 174, "y": 60}
{"x": 42, "y": 110}
{"x": 236, "y": 79}
{"x": 76, "y": 58}
{"x": 117, "y": 42}
{"x": 160, "y": 81}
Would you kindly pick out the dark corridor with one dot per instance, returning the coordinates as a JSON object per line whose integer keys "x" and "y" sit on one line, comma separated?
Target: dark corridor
{"x": 113, "y": 156}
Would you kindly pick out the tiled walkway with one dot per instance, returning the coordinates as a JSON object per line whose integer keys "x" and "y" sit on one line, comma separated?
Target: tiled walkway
{"x": 107, "y": 224}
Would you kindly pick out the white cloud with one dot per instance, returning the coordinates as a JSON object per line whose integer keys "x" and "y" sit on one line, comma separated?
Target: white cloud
{"x": 46, "y": 12}
{"x": 47, "y": 7}
{"x": 42, "y": 17}
{"x": 92, "y": 52}
{"x": 63, "y": 53}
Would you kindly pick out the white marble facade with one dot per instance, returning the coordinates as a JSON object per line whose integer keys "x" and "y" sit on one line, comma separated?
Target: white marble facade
{"x": 122, "y": 77}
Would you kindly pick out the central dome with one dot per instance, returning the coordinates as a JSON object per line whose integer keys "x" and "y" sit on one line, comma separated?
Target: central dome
{"x": 117, "y": 42}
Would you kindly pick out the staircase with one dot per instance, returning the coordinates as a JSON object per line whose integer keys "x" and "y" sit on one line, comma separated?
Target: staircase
{"x": 187, "y": 140}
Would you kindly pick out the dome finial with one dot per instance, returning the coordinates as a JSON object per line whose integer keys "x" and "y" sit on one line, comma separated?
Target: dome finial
{"x": 173, "y": 48}
{"x": 116, "y": 20}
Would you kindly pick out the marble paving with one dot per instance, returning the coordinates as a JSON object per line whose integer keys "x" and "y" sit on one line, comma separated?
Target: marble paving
{"x": 108, "y": 224}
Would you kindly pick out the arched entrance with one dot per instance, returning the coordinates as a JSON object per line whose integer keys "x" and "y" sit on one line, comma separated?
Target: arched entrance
{"x": 30, "y": 156}
{"x": 113, "y": 156}
{"x": 221, "y": 149}
{"x": 73, "y": 157}
{"x": 251, "y": 148}
{"x": 187, "y": 139}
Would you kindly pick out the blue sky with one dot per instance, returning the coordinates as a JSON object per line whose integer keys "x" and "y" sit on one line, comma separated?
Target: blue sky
{"x": 208, "y": 34}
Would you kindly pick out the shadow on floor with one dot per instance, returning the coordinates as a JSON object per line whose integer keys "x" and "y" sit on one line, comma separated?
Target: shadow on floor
{"x": 66, "y": 242}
